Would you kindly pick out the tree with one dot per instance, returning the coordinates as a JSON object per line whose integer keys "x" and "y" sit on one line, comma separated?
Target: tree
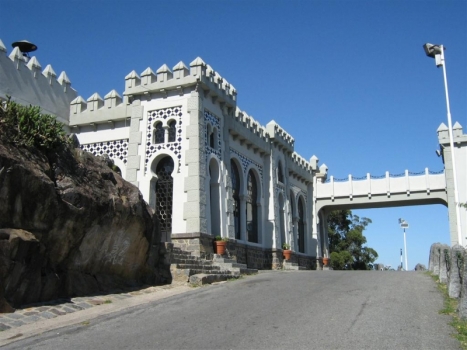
{"x": 347, "y": 242}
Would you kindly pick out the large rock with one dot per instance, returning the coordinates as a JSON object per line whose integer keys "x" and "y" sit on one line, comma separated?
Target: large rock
{"x": 433, "y": 264}
{"x": 71, "y": 226}
{"x": 420, "y": 267}
{"x": 455, "y": 273}
{"x": 444, "y": 263}
{"x": 463, "y": 299}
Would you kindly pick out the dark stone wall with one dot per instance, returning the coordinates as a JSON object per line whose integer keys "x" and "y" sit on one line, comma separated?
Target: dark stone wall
{"x": 201, "y": 245}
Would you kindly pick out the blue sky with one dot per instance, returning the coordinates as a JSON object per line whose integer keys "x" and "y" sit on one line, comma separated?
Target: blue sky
{"x": 348, "y": 79}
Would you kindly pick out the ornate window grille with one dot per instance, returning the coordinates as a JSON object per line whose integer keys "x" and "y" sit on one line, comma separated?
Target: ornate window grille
{"x": 301, "y": 227}
{"x": 235, "y": 177}
{"x": 164, "y": 196}
{"x": 252, "y": 209}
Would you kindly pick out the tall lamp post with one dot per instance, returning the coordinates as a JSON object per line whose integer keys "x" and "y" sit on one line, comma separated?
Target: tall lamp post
{"x": 437, "y": 52}
{"x": 404, "y": 224}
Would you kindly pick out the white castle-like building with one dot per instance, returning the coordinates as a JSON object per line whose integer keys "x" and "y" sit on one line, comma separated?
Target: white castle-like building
{"x": 209, "y": 169}
{"x": 206, "y": 167}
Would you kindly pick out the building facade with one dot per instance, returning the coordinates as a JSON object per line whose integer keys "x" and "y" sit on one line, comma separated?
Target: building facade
{"x": 205, "y": 167}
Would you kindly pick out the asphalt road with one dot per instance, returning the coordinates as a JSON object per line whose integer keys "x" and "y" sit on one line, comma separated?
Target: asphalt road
{"x": 275, "y": 310}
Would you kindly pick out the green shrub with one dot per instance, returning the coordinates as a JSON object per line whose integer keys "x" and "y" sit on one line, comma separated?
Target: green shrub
{"x": 26, "y": 125}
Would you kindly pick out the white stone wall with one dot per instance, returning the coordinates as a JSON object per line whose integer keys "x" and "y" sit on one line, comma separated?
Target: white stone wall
{"x": 29, "y": 84}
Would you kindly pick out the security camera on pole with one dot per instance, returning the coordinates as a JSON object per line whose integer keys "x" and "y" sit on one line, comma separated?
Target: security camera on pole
{"x": 437, "y": 52}
{"x": 404, "y": 224}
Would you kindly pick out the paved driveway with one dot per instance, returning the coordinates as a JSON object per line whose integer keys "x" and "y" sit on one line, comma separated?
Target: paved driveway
{"x": 275, "y": 310}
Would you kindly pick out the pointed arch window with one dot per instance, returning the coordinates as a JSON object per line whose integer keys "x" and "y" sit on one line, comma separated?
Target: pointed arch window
{"x": 280, "y": 174}
{"x": 252, "y": 208}
{"x": 172, "y": 130}
{"x": 235, "y": 177}
{"x": 158, "y": 133}
{"x": 301, "y": 227}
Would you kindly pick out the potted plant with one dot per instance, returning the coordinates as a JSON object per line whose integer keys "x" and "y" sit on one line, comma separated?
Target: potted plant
{"x": 325, "y": 262}
{"x": 220, "y": 245}
{"x": 286, "y": 251}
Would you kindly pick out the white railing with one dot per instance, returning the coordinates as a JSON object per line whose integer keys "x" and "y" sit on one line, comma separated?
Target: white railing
{"x": 384, "y": 185}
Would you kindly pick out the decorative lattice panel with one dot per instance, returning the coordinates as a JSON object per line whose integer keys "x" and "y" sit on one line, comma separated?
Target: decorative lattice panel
{"x": 215, "y": 123}
{"x": 116, "y": 149}
{"x": 164, "y": 114}
{"x": 246, "y": 162}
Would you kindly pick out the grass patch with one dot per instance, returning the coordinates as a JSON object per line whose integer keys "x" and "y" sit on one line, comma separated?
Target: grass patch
{"x": 85, "y": 323}
{"x": 108, "y": 301}
{"x": 450, "y": 308}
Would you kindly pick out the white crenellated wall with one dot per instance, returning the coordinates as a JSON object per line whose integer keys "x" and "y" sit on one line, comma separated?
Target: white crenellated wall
{"x": 26, "y": 83}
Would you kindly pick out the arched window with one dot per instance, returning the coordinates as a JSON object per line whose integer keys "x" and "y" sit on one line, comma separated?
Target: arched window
{"x": 164, "y": 196}
{"x": 251, "y": 208}
{"x": 158, "y": 133}
{"x": 235, "y": 177}
{"x": 280, "y": 174}
{"x": 282, "y": 218}
{"x": 214, "y": 198}
{"x": 172, "y": 130}
{"x": 301, "y": 227}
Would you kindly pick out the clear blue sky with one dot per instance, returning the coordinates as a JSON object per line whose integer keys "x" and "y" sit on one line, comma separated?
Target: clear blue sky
{"x": 348, "y": 79}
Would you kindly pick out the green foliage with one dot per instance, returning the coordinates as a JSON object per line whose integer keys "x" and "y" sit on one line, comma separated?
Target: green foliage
{"x": 219, "y": 238}
{"x": 451, "y": 309}
{"x": 347, "y": 242}
{"x": 29, "y": 127}
{"x": 285, "y": 246}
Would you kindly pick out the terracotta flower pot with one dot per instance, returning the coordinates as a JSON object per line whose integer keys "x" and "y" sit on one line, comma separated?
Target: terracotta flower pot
{"x": 220, "y": 247}
{"x": 325, "y": 261}
{"x": 287, "y": 254}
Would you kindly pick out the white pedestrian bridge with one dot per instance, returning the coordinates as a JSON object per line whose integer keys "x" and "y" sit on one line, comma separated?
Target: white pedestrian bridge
{"x": 389, "y": 190}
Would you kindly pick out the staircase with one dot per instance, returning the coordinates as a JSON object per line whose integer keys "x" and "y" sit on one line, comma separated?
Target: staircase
{"x": 188, "y": 268}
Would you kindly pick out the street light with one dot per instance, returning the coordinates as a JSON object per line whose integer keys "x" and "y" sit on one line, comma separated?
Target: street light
{"x": 437, "y": 52}
{"x": 404, "y": 224}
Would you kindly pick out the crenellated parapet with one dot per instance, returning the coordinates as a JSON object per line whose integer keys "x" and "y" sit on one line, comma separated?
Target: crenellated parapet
{"x": 281, "y": 138}
{"x": 248, "y": 131}
{"x": 300, "y": 169}
{"x": 97, "y": 110}
{"x": 179, "y": 80}
{"x": 457, "y": 133}
{"x": 23, "y": 79}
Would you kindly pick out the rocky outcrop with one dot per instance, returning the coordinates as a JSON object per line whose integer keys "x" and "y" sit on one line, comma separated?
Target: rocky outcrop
{"x": 420, "y": 267}
{"x": 70, "y": 226}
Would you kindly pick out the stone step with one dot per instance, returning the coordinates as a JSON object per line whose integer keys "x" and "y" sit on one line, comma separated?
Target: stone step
{"x": 199, "y": 267}
{"x": 220, "y": 259}
{"x": 183, "y": 260}
{"x": 293, "y": 266}
{"x": 202, "y": 278}
{"x": 230, "y": 265}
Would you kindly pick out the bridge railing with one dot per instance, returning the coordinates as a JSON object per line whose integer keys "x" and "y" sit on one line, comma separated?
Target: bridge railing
{"x": 387, "y": 184}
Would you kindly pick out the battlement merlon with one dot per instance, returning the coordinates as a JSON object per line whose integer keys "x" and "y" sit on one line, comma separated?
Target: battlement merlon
{"x": 96, "y": 110}
{"x": 200, "y": 76}
{"x": 457, "y": 132}
{"x": 281, "y": 138}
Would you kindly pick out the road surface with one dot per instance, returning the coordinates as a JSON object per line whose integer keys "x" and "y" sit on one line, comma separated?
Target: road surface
{"x": 275, "y": 310}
